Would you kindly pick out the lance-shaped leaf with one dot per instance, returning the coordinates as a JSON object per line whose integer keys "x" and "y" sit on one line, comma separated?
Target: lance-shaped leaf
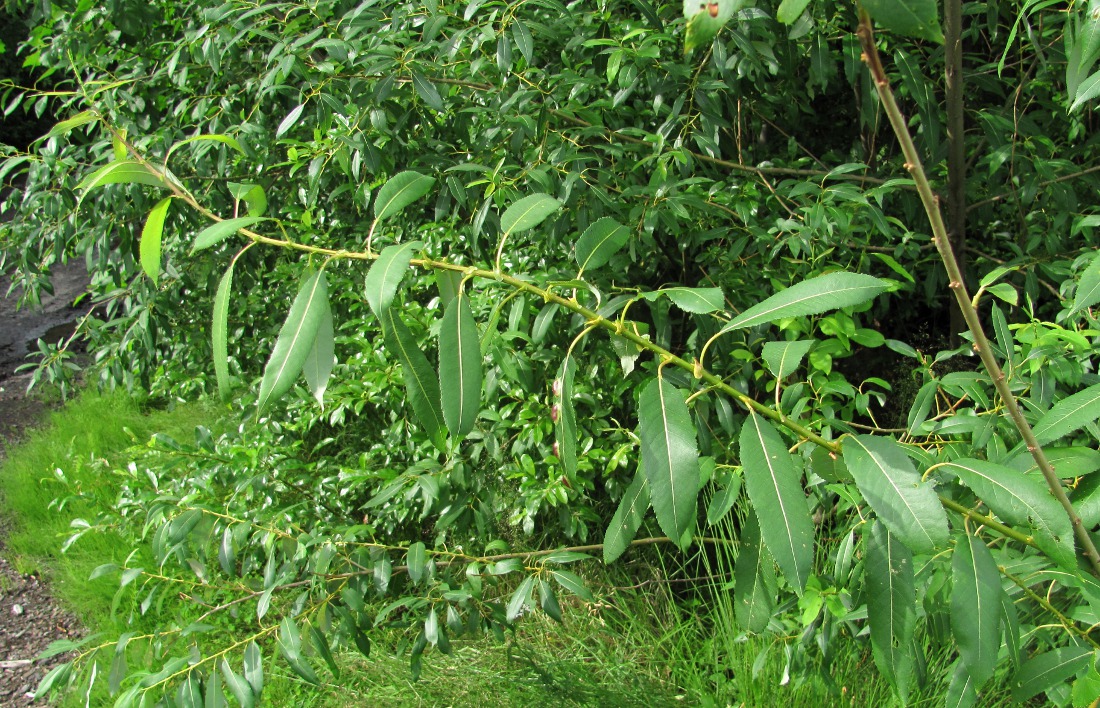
{"x": 1069, "y": 414}
{"x": 320, "y": 642}
{"x": 723, "y": 500}
{"x": 783, "y": 358}
{"x": 290, "y": 644}
{"x": 237, "y": 686}
{"x": 416, "y": 561}
{"x": 627, "y": 519}
{"x": 774, "y": 484}
{"x": 891, "y": 606}
{"x": 599, "y": 242}
{"x": 890, "y": 484}
{"x": 386, "y": 273}
{"x": 399, "y": 191}
{"x": 295, "y": 339}
{"x": 1088, "y": 288}
{"x": 909, "y": 18}
{"x": 216, "y": 233}
{"x": 254, "y": 668}
{"x": 754, "y": 586}
{"x": 565, "y": 428}
{"x": 699, "y": 301}
{"x": 459, "y": 367}
{"x": 527, "y": 213}
{"x": 151, "y": 235}
{"x": 812, "y": 297}
{"x": 669, "y": 456}
{"x": 63, "y": 127}
{"x": 420, "y": 381}
{"x": 976, "y": 607}
{"x": 318, "y": 364}
{"x": 219, "y": 331}
{"x": 1045, "y": 671}
{"x": 120, "y": 172}
{"x": 1021, "y": 500}
{"x": 961, "y": 692}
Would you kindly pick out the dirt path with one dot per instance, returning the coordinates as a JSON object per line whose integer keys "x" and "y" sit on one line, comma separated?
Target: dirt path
{"x": 29, "y": 616}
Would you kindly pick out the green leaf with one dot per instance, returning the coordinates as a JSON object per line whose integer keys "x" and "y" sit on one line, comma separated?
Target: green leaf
{"x": 1068, "y": 415}
{"x": 549, "y": 602}
{"x": 754, "y": 586}
{"x": 386, "y": 273}
{"x": 783, "y": 358}
{"x": 961, "y": 692}
{"x": 319, "y": 362}
{"x": 459, "y": 368}
{"x": 290, "y": 120}
{"x": 1045, "y": 671}
{"x": 627, "y": 519}
{"x": 399, "y": 191}
{"x": 599, "y": 242}
{"x": 67, "y": 125}
{"x": 724, "y": 500}
{"x": 891, "y": 606}
{"x": 56, "y": 678}
{"x": 322, "y": 646}
{"x": 214, "y": 696}
{"x": 573, "y": 583}
{"x": 812, "y": 297}
{"x": 295, "y": 339}
{"x": 254, "y": 668}
{"x": 774, "y": 484}
{"x": 519, "y": 599}
{"x": 216, "y": 233}
{"x": 251, "y": 194}
{"x": 120, "y": 172}
{"x": 219, "y": 331}
{"x": 791, "y": 10}
{"x": 420, "y": 381}
{"x": 922, "y": 406}
{"x": 290, "y": 644}
{"x": 976, "y": 607}
{"x": 189, "y": 694}
{"x": 669, "y": 456}
{"x": 1023, "y": 501}
{"x": 909, "y": 18}
{"x": 1088, "y": 288}
{"x": 886, "y": 478}
{"x": 699, "y": 301}
{"x": 565, "y": 428}
{"x": 527, "y": 213}
{"x": 151, "y": 237}
{"x": 223, "y": 139}
{"x": 427, "y": 91}
{"x": 416, "y": 560}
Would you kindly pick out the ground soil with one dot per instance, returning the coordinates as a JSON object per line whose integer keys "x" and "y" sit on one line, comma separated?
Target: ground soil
{"x": 30, "y": 617}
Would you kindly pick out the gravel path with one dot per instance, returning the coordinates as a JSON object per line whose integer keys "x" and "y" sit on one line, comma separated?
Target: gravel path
{"x": 30, "y": 618}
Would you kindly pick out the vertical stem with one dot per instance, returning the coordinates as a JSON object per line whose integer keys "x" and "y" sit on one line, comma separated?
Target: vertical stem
{"x": 958, "y": 285}
{"x": 956, "y": 153}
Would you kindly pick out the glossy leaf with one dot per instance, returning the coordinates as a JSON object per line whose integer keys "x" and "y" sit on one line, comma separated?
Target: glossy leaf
{"x": 528, "y": 213}
{"x": 254, "y": 668}
{"x": 459, "y": 368}
{"x": 216, "y": 233}
{"x": 1088, "y": 287}
{"x": 627, "y": 519}
{"x": 783, "y": 358}
{"x": 289, "y": 121}
{"x": 565, "y": 428}
{"x": 600, "y": 241}
{"x": 791, "y": 10}
{"x": 909, "y": 18}
{"x": 252, "y": 195}
{"x": 219, "y": 331}
{"x": 976, "y": 607}
{"x": 549, "y": 602}
{"x": 669, "y": 456}
{"x": 386, "y": 273}
{"x": 961, "y": 692}
{"x": 399, "y": 191}
{"x": 891, "y": 606}
{"x": 120, "y": 172}
{"x": 812, "y": 297}
{"x": 723, "y": 500}
{"x": 151, "y": 235}
{"x": 774, "y": 485}
{"x": 69, "y": 124}
{"x": 420, "y": 381}
{"x": 320, "y": 643}
{"x": 699, "y": 301}
{"x": 427, "y": 91}
{"x": 754, "y": 585}
{"x": 922, "y": 406}
{"x": 1021, "y": 500}
{"x": 520, "y": 598}
{"x": 886, "y": 478}
{"x": 290, "y": 644}
{"x": 1068, "y": 415}
{"x": 416, "y": 561}
{"x": 573, "y": 583}
{"x": 1044, "y": 671}
{"x": 319, "y": 362}
{"x": 295, "y": 339}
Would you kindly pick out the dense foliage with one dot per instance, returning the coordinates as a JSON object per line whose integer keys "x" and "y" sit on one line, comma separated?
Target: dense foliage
{"x": 566, "y": 274}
